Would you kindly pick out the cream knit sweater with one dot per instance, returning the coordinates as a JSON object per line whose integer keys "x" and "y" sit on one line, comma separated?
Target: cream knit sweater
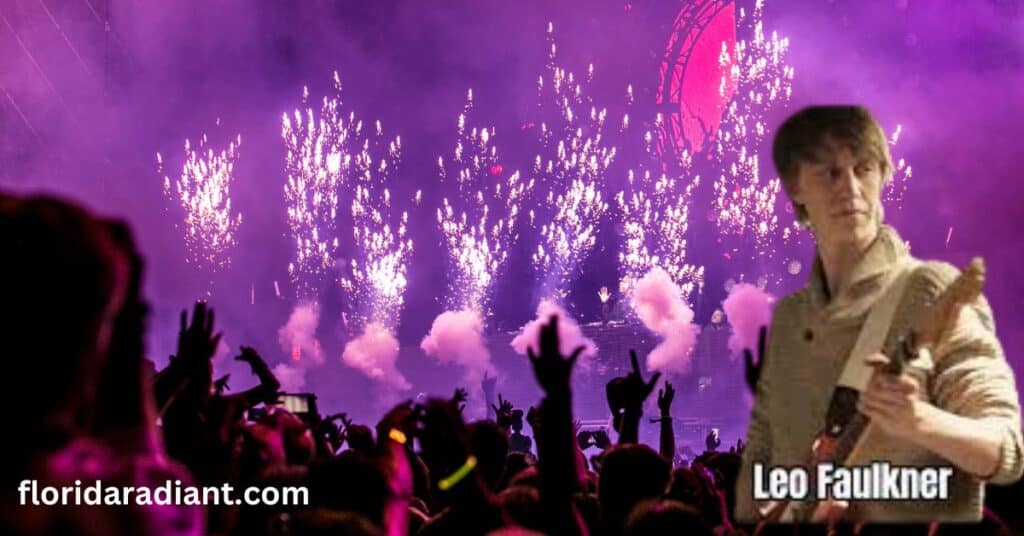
{"x": 812, "y": 336}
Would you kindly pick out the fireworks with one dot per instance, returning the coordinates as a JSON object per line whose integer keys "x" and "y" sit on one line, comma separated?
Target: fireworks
{"x": 477, "y": 236}
{"x": 377, "y": 279}
{"x": 656, "y": 203}
{"x": 756, "y": 68}
{"x": 655, "y": 212}
{"x": 571, "y": 171}
{"x": 901, "y": 174}
{"x": 204, "y": 192}
{"x": 326, "y": 153}
{"x": 654, "y": 225}
{"x": 318, "y": 161}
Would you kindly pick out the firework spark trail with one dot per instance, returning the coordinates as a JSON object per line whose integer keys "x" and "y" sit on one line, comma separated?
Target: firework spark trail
{"x": 902, "y": 172}
{"x": 655, "y": 212}
{"x": 204, "y": 193}
{"x": 757, "y": 69}
{"x": 377, "y": 280}
{"x": 571, "y": 171}
{"x": 477, "y": 224}
{"x": 318, "y": 160}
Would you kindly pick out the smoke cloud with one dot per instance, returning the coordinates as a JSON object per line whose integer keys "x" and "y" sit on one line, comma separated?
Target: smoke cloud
{"x": 747, "y": 308}
{"x": 292, "y": 377}
{"x": 458, "y": 337}
{"x": 300, "y": 331}
{"x": 570, "y": 335}
{"x": 375, "y": 354}
{"x": 658, "y": 303}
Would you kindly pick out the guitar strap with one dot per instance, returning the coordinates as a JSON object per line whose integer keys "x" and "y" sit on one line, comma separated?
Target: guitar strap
{"x": 856, "y": 373}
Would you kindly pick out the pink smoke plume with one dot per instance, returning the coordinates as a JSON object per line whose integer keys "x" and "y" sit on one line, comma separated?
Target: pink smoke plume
{"x": 458, "y": 337}
{"x": 569, "y": 333}
{"x": 292, "y": 377}
{"x": 747, "y": 308}
{"x": 299, "y": 333}
{"x": 658, "y": 302}
{"x": 375, "y": 354}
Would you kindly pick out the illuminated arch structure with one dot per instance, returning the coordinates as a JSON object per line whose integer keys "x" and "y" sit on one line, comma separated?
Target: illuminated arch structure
{"x": 690, "y": 94}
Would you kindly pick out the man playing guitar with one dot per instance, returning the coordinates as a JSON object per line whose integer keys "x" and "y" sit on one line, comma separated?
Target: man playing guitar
{"x": 954, "y": 405}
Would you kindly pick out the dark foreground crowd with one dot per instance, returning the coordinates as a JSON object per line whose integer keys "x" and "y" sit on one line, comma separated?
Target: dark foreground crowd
{"x": 84, "y": 404}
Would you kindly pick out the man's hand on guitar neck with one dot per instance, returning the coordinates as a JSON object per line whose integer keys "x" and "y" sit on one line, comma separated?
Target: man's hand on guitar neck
{"x": 891, "y": 401}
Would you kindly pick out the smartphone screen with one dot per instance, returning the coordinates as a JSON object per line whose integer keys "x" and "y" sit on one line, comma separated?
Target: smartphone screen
{"x": 295, "y": 403}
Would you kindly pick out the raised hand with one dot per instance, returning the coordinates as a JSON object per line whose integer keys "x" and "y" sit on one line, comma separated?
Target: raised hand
{"x": 626, "y": 395}
{"x": 221, "y": 384}
{"x": 333, "y": 435}
{"x": 559, "y": 470}
{"x": 634, "y": 389}
{"x": 326, "y": 429}
{"x": 665, "y": 397}
{"x": 488, "y": 385}
{"x": 459, "y": 398}
{"x": 551, "y": 368}
{"x": 267, "y": 391}
{"x": 752, "y": 369}
{"x": 503, "y": 407}
{"x": 248, "y": 355}
{"x": 196, "y": 340}
{"x": 503, "y": 412}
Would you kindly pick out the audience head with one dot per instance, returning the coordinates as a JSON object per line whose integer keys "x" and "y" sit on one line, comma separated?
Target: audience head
{"x": 629, "y": 474}
{"x": 63, "y": 273}
{"x": 490, "y": 446}
{"x": 657, "y": 517}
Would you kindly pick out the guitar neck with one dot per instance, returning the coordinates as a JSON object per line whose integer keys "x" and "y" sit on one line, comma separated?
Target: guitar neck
{"x": 851, "y": 434}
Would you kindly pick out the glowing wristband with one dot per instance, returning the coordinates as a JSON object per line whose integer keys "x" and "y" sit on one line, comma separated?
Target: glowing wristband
{"x": 448, "y": 483}
{"x": 397, "y": 436}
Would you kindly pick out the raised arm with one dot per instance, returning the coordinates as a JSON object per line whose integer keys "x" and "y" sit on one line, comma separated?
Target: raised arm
{"x": 758, "y": 445}
{"x": 488, "y": 385}
{"x": 667, "y": 445}
{"x": 626, "y": 396}
{"x": 190, "y": 373}
{"x": 556, "y": 446}
{"x": 267, "y": 390}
